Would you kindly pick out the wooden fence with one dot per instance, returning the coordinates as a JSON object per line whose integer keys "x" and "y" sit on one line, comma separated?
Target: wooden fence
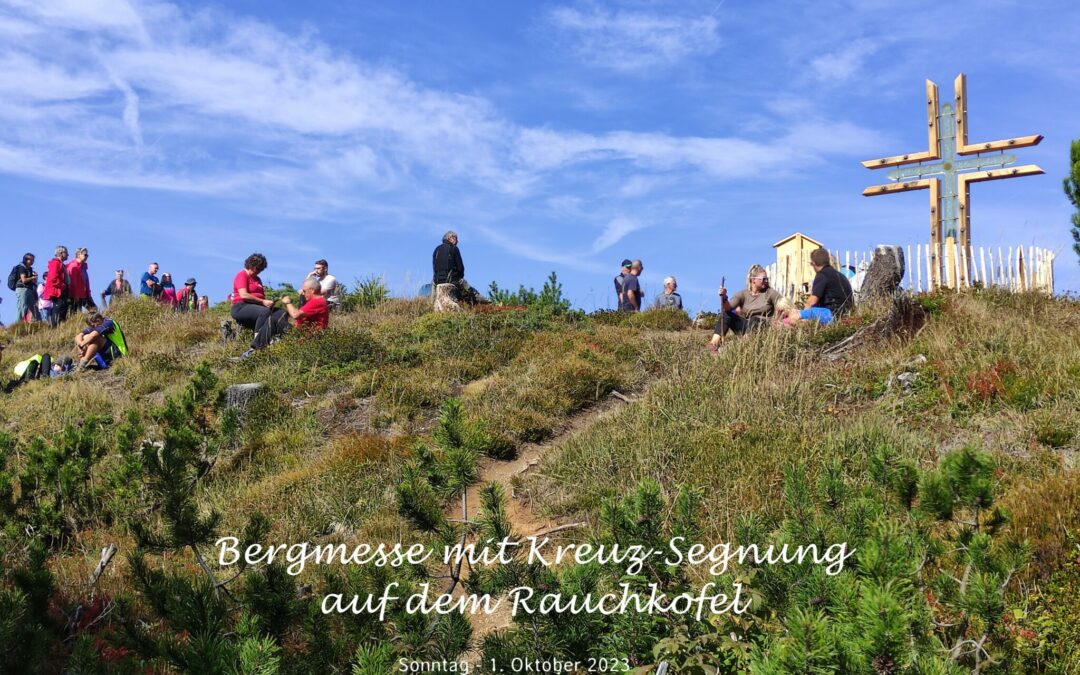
{"x": 930, "y": 267}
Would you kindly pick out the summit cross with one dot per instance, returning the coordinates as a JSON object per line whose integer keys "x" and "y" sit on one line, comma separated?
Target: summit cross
{"x": 949, "y": 179}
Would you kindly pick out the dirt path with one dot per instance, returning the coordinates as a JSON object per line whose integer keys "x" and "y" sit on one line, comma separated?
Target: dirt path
{"x": 524, "y": 520}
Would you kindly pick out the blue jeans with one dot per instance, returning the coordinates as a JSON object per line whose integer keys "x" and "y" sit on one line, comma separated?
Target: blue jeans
{"x": 26, "y": 302}
{"x": 822, "y": 314}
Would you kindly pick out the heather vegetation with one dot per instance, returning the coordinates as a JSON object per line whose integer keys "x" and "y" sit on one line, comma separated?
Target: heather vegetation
{"x": 947, "y": 460}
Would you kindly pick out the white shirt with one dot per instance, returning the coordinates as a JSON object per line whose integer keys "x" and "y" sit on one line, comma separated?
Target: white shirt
{"x": 331, "y": 289}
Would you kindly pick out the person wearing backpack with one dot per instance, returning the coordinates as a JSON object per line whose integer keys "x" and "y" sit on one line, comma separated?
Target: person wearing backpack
{"x": 23, "y": 280}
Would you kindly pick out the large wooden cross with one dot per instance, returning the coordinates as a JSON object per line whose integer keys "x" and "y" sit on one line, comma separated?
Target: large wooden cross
{"x": 950, "y": 197}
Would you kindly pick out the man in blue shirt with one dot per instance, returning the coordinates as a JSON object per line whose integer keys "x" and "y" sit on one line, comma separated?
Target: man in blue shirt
{"x": 149, "y": 285}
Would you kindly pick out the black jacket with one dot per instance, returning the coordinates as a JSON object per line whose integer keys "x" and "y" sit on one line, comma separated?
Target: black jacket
{"x": 446, "y": 264}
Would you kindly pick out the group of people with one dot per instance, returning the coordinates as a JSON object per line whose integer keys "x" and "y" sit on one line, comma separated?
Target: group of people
{"x": 251, "y": 309}
{"x": 630, "y": 295}
{"x": 64, "y": 287}
{"x": 756, "y": 306}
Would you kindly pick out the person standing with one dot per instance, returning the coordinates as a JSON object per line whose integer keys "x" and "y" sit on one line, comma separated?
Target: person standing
{"x": 328, "y": 283}
{"x": 44, "y": 304}
{"x": 56, "y": 286}
{"x": 669, "y": 299}
{"x": 149, "y": 285}
{"x": 117, "y": 288}
{"x": 79, "y": 280}
{"x": 252, "y": 309}
{"x": 187, "y": 300}
{"x": 26, "y": 297}
{"x": 620, "y": 279}
{"x": 631, "y": 288}
{"x": 167, "y": 296}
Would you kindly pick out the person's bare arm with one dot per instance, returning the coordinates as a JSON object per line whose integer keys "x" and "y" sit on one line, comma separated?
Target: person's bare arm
{"x": 295, "y": 313}
{"x": 246, "y": 296}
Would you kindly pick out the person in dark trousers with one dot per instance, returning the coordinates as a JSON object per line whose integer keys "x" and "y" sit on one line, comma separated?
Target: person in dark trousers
{"x": 56, "y": 286}
{"x": 749, "y": 309}
{"x": 448, "y": 268}
{"x": 620, "y": 280}
{"x": 26, "y": 280}
{"x": 830, "y": 294}
{"x": 252, "y": 309}
{"x": 187, "y": 300}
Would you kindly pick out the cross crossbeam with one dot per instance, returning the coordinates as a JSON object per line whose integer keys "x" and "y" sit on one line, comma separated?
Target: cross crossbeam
{"x": 949, "y": 185}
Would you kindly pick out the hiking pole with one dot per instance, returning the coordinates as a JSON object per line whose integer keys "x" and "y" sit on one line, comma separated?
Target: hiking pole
{"x": 723, "y": 298}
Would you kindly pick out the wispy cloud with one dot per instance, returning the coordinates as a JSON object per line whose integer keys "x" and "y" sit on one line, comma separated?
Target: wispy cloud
{"x": 629, "y": 41}
{"x": 845, "y": 63}
{"x": 614, "y": 231}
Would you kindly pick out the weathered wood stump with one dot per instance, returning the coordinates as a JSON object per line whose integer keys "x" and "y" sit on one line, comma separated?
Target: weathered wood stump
{"x": 238, "y": 396}
{"x": 446, "y": 298}
{"x": 883, "y": 278}
{"x": 905, "y": 318}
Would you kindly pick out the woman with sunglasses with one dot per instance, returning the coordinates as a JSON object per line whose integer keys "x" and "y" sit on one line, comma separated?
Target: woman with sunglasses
{"x": 749, "y": 309}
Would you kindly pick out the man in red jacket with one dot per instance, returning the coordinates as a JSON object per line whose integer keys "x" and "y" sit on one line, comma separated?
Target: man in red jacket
{"x": 79, "y": 280}
{"x": 56, "y": 286}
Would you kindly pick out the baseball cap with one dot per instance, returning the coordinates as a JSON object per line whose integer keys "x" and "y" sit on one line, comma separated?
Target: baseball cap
{"x": 627, "y": 262}
{"x": 190, "y": 282}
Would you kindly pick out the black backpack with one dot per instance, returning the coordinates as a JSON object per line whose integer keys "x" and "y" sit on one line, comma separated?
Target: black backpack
{"x": 13, "y": 277}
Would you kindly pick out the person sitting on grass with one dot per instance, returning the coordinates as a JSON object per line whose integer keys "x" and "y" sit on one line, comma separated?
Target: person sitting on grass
{"x": 100, "y": 343}
{"x": 314, "y": 314}
{"x": 250, "y": 307}
{"x": 830, "y": 294}
{"x": 750, "y": 308}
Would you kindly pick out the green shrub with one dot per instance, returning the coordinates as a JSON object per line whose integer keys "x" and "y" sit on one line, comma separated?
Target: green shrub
{"x": 366, "y": 294}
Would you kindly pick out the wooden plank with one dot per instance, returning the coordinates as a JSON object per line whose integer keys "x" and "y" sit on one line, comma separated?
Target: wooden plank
{"x": 935, "y": 232}
{"x": 898, "y": 160}
{"x": 1003, "y": 144}
{"x": 933, "y": 128}
{"x": 960, "y": 90}
{"x": 995, "y": 174}
{"x": 918, "y": 266}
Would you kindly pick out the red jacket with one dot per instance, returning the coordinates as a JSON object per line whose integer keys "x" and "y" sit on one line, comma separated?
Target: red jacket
{"x": 77, "y": 287}
{"x": 56, "y": 284}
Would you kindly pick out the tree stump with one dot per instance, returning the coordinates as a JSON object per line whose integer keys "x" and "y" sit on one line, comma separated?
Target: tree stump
{"x": 238, "y": 396}
{"x": 905, "y": 318}
{"x": 446, "y": 298}
{"x": 883, "y": 278}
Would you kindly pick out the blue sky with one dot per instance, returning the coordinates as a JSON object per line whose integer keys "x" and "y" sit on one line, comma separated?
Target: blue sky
{"x": 561, "y": 136}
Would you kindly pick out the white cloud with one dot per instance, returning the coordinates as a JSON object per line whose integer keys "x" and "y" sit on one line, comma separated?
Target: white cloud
{"x": 631, "y": 41}
{"x": 843, "y": 64}
{"x": 614, "y": 231}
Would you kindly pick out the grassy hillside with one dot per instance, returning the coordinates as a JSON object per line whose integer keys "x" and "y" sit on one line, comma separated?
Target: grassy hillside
{"x": 327, "y": 452}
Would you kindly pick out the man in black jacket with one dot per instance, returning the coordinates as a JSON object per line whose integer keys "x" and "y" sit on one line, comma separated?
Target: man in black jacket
{"x": 447, "y": 268}
{"x": 446, "y": 261}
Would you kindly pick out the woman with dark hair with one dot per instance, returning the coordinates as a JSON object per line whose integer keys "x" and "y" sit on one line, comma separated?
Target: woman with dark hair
{"x": 250, "y": 307}
{"x": 168, "y": 290}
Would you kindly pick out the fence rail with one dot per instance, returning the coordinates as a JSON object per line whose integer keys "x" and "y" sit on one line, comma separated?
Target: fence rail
{"x": 928, "y": 267}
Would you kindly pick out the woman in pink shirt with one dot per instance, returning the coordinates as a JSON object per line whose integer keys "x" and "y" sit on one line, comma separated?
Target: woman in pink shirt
{"x": 250, "y": 307}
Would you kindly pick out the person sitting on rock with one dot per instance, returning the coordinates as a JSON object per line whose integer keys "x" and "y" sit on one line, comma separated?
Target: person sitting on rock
{"x": 448, "y": 268}
{"x": 314, "y": 314}
{"x": 750, "y": 308}
{"x": 830, "y": 293}
{"x": 100, "y": 343}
